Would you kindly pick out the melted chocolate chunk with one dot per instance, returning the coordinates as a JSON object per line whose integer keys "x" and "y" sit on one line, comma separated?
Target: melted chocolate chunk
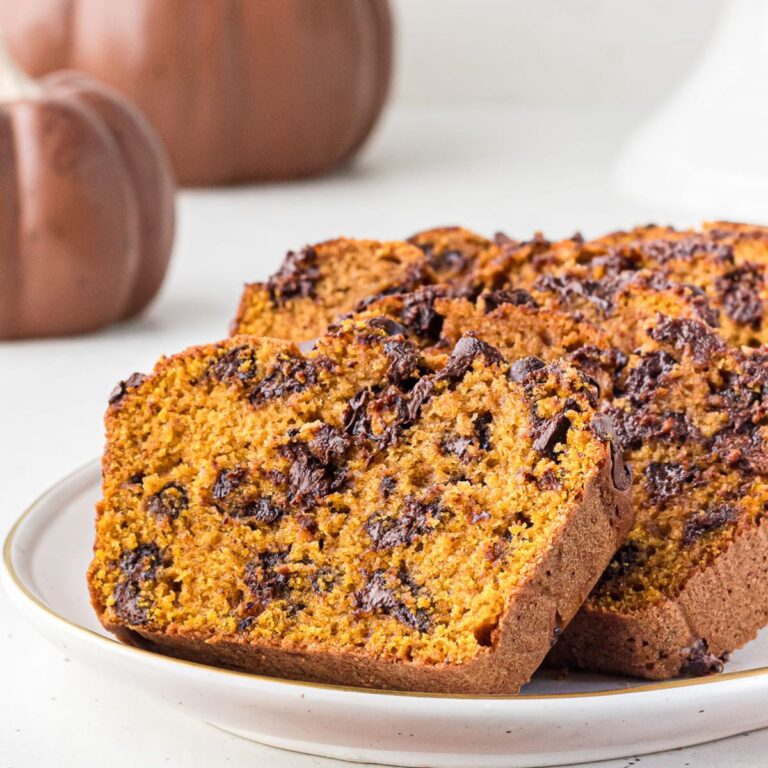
{"x": 168, "y": 502}
{"x": 419, "y": 315}
{"x": 121, "y": 389}
{"x": 389, "y": 326}
{"x": 449, "y": 260}
{"x": 551, "y": 433}
{"x": 707, "y": 521}
{"x": 231, "y": 497}
{"x": 467, "y": 349}
{"x": 664, "y": 250}
{"x": 262, "y": 510}
{"x": 268, "y": 579}
{"x": 642, "y": 380}
{"x": 482, "y": 429}
{"x": 415, "y": 518}
{"x": 137, "y": 565}
{"x": 627, "y": 559}
{"x": 604, "y": 427}
{"x": 664, "y": 480}
{"x": 355, "y": 419}
{"x": 329, "y": 444}
{"x": 458, "y": 445}
{"x": 291, "y": 374}
{"x": 739, "y": 291}
{"x": 387, "y": 486}
{"x": 521, "y": 369}
{"x": 420, "y": 395}
{"x": 310, "y": 477}
{"x": 403, "y": 360}
{"x": 298, "y": 277}
{"x": 378, "y": 596}
{"x": 599, "y": 293}
{"x": 228, "y": 481}
{"x": 230, "y": 366}
{"x": 633, "y": 429}
{"x": 700, "y": 661}
{"x": 515, "y": 296}
{"x": 701, "y": 341}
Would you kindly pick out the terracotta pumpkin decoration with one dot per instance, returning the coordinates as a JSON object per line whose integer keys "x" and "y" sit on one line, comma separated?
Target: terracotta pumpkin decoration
{"x": 237, "y": 89}
{"x": 86, "y": 206}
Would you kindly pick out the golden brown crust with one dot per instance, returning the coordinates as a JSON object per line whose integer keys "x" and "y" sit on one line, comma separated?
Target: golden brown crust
{"x": 535, "y": 616}
{"x": 723, "y": 605}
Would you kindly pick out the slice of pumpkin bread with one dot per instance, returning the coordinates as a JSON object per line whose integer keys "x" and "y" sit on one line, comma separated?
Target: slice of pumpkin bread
{"x": 689, "y": 585}
{"x": 317, "y": 284}
{"x": 363, "y": 514}
{"x": 726, "y": 264}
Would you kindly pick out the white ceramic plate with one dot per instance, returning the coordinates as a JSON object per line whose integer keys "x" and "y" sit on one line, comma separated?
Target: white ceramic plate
{"x": 577, "y": 719}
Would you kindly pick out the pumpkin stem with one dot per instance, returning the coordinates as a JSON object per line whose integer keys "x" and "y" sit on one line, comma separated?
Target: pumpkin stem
{"x": 15, "y": 85}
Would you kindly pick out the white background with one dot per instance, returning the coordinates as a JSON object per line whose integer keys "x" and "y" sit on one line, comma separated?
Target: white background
{"x": 508, "y": 115}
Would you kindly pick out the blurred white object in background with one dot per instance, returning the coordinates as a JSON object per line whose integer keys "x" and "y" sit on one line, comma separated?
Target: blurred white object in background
{"x": 705, "y": 150}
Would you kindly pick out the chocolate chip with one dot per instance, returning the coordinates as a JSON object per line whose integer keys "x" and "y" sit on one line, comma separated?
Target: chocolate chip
{"x": 137, "y": 566}
{"x": 355, "y": 419}
{"x": 403, "y": 360}
{"x": 699, "y": 661}
{"x": 482, "y": 429}
{"x": 389, "y": 326}
{"x": 604, "y": 427}
{"x": 467, "y": 349}
{"x": 419, "y": 314}
{"x": 643, "y": 379}
{"x": 387, "y": 486}
{"x": 328, "y": 445}
{"x": 262, "y": 510}
{"x": 168, "y": 502}
{"x": 228, "y": 481}
{"x": 121, "y": 389}
{"x": 298, "y": 277}
{"x": 267, "y": 579}
{"x": 522, "y": 368}
{"x": 289, "y": 375}
{"x": 664, "y": 480}
{"x": 379, "y": 596}
{"x": 515, "y": 296}
{"x": 599, "y": 293}
{"x": 739, "y": 291}
{"x": 415, "y": 518}
{"x": 701, "y": 341}
{"x": 458, "y": 445}
{"x": 236, "y": 364}
{"x": 634, "y": 428}
{"x": 309, "y": 478}
{"x": 708, "y": 520}
{"x": 663, "y": 250}
{"x": 448, "y": 260}
{"x": 553, "y": 432}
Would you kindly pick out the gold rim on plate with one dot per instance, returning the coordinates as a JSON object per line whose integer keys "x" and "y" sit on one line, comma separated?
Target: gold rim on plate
{"x": 92, "y": 636}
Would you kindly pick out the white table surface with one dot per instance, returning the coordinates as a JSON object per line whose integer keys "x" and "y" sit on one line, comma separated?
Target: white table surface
{"x": 488, "y": 169}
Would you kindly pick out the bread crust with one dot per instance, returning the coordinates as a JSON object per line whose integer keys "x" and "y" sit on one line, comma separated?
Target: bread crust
{"x": 557, "y": 586}
{"x": 720, "y": 608}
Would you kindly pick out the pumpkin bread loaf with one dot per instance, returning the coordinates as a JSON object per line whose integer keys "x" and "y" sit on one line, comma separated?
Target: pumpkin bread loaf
{"x": 363, "y": 514}
{"x": 693, "y": 415}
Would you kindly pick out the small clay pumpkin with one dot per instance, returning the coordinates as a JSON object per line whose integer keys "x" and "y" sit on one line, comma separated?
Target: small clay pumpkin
{"x": 86, "y": 205}
{"x": 237, "y": 89}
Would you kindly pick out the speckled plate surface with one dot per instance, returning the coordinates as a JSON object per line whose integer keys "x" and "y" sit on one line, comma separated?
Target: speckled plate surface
{"x": 581, "y": 718}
